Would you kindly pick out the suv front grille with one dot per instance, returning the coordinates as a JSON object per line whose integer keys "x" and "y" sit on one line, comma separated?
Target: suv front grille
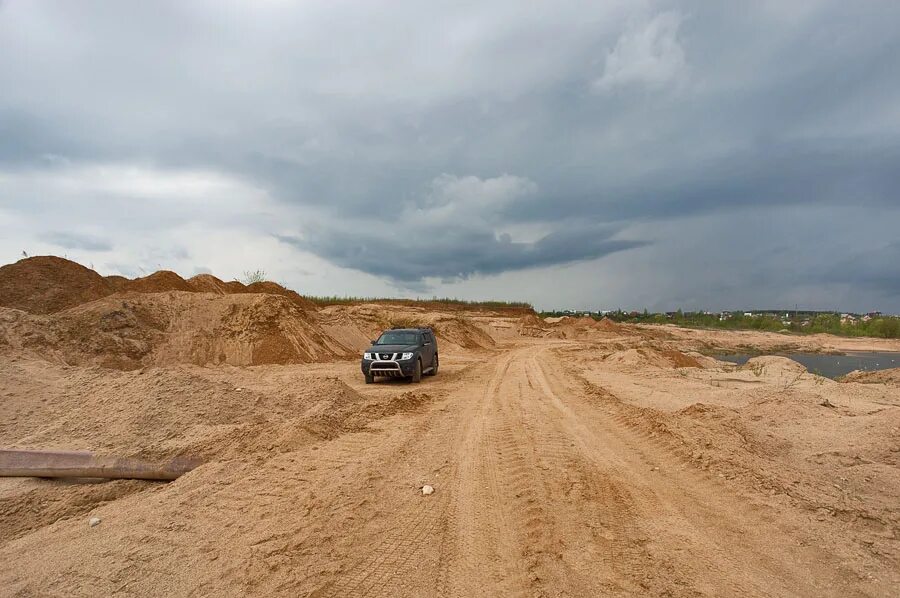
{"x": 386, "y": 356}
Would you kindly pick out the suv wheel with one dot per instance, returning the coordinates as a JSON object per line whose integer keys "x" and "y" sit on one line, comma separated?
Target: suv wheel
{"x": 434, "y": 367}
{"x": 370, "y": 379}
{"x": 417, "y": 375}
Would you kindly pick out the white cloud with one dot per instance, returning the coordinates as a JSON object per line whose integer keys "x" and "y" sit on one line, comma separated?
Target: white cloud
{"x": 129, "y": 181}
{"x": 451, "y": 196}
{"x": 648, "y": 55}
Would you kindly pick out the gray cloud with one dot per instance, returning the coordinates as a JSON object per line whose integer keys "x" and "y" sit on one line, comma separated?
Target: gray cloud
{"x": 408, "y": 255}
{"x": 70, "y": 240}
{"x": 877, "y": 268}
{"x": 572, "y": 134}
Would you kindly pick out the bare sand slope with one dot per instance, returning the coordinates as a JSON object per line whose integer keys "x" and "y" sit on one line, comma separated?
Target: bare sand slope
{"x": 556, "y": 473}
{"x": 131, "y": 330}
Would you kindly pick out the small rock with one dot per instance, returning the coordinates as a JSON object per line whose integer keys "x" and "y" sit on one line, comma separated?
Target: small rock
{"x": 426, "y": 490}
{"x": 94, "y": 521}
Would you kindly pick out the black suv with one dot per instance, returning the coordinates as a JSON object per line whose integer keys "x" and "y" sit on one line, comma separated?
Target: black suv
{"x": 402, "y": 353}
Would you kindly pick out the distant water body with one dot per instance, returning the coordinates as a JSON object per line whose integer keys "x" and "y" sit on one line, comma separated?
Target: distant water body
{"x": 831, "y": 366}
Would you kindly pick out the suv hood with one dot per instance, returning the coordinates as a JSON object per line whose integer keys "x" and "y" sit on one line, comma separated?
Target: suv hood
{"x": 392, "y": 349}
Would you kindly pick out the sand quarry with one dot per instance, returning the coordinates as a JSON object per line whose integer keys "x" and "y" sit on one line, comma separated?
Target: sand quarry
{"x": 568, "y": 458}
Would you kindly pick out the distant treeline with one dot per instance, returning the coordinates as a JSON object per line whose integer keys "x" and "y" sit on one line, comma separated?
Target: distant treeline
{"x": 435, "y": 301}
{"x": 800, "y": 322}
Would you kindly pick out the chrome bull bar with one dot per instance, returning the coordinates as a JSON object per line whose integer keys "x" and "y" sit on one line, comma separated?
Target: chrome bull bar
{"x": 391, "y": 369}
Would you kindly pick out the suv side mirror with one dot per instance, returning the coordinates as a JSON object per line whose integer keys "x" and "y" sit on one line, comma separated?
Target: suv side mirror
{"x": 427, "y": 342}
{"x": 375, "y": 342}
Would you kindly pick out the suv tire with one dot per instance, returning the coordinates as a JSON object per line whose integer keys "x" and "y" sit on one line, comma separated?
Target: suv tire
{"x": 417, "y": 375}
{"x": 370, "y": 379}
{"x": 434, "y": 367}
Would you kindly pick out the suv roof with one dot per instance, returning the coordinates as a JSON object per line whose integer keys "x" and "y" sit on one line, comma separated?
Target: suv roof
{"x": 420, "y": 329}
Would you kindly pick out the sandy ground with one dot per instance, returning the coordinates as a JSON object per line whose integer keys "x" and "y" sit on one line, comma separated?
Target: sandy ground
{"x": 562, "y": 467}
{"x": 568, "y": 458}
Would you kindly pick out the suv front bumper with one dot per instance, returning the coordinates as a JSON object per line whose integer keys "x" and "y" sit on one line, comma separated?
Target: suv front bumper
{"x": 392, "y": 368}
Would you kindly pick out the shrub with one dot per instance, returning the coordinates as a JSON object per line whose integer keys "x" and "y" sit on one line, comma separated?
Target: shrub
{"x": 251, "y": 276}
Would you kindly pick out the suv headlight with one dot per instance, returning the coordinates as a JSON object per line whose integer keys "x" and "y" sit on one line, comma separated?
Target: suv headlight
{"x": 367, "y": 356}
{"x": 406, "y": 356}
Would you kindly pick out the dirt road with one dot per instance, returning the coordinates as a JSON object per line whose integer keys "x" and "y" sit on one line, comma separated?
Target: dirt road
{"x": 545, "y": 486}
{"x": 541, "y": 491}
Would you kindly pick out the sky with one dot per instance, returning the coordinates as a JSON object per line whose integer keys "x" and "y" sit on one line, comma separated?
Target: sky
{"x": 588, "y": 155}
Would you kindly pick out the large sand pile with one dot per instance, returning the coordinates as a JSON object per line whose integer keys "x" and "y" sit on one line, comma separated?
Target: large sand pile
{"x": 117, "y": 283}
{"x": 131, "y": 330}
{"x": 532, "y": 325}
{"x": 273, "y": 288}
{"x": 158, "y": 282}
{"x": 70, "y": 314}
{"x": 643, "y": 357}
{"x": 463, "y": 333}
{"x": 586, "y": 327}
{"x": 161, "y": 413}
{"x": 356, "y": 325}
{"x": 207, "y": 283}
{"x": 48, "y": 284}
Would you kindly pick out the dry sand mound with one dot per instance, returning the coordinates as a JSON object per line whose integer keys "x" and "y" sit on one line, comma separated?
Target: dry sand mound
{"x": 585, "y": 327}
{"x": 131, "y": 330}
{"x": 351, "y": 332}
{"x": 463, "y": 333}
{"x": 659, "y": 358}
{"x": 48, "y": 284}
{"x": 160, "y": 413}
{"x": 532, "y": 325}
{"x": 273, "y": 288}
{"x": 889, "y": 376}
{"x": 158, "y": 282}
{"x": 677, "y": 359}
{"x": 207, "y": 283}
{"x": 774, "y": 366}
{"x": 355, "y": 325}
{"x": 608, "y": 325}
{"x": 117, "y": 283}
{"x": 165, "y": 319}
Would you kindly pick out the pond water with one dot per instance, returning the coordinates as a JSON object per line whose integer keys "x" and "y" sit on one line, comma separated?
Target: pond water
{"x": 831, "y": 366}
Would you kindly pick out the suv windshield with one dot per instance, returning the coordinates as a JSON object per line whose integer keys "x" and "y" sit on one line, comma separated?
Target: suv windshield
{"x": 398, "y": 338}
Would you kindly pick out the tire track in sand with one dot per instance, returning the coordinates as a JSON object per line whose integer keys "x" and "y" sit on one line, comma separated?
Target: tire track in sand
{"x": 687, "y": 515}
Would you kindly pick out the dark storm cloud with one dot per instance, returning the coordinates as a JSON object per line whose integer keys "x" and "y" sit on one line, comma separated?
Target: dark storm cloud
{"x": 411, "y": 254}
{"x": 435, "y": 130}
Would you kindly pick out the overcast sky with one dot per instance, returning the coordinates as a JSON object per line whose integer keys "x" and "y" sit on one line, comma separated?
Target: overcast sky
{"x": 593, "y": 155}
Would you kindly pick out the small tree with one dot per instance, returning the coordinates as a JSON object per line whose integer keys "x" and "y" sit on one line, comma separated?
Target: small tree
{"x": 251, "y": 276}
